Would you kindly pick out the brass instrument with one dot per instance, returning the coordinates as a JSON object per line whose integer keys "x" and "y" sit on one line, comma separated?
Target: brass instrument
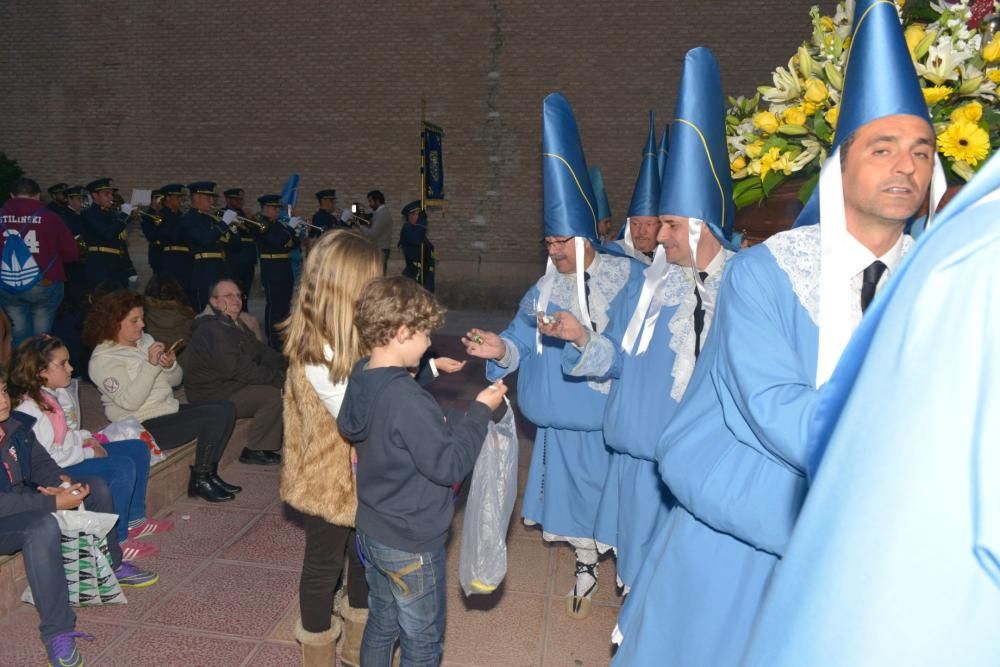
{"x": 131, "y": 209}
{"x": 305, "y": 224}
{"x": 238, "y": 221}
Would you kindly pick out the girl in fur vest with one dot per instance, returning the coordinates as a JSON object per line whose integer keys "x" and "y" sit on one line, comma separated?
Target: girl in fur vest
{"x": 317, "y": 474}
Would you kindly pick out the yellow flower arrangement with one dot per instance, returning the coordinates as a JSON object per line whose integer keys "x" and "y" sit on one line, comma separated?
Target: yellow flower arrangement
{"x": 788, "y": 128}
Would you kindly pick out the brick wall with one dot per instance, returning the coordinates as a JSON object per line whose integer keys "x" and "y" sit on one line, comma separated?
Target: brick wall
{"x": 246, "y": 92}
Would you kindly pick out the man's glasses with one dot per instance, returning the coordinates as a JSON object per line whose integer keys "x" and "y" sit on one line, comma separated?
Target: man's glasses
{"x": 555, "y": 243}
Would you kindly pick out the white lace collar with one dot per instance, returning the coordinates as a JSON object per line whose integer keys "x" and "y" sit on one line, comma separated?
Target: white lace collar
{"x": 797, "y": 253}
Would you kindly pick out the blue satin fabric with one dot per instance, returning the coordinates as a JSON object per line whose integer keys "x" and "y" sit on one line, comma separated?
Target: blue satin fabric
{"x": 696, "y": 181}
{"x": 894, "y": 559}
{"x": 733, "y": 456}
{"x": 600, "y": 194}
{"x": 663, "y": 151}
{"x": 646, "y": 195}
{"x": 570, "y": 207}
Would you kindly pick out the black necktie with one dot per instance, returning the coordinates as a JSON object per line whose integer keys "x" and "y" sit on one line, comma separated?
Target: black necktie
{"x": 870, "y": 281}
{"x": 699, "y": 316}
{"x": 586, "y": 294}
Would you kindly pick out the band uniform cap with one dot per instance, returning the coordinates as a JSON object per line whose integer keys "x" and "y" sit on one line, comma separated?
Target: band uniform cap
{"x": 202, "y": 188}
{"x": 57, "y": 188}
{"x": 269, "y": 200}
{"x": 413, "y": 206}
{"x": 172, "y": 189}
{"x": 233, "y": 192}
{"x": 74, "y": 191}
{"x": 101, "y": 184}
{"x": 326, "y": 194}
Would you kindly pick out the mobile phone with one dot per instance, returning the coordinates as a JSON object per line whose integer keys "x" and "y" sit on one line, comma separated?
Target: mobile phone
{"x": 174, "y": 345}
{"x": 354, "y": 208}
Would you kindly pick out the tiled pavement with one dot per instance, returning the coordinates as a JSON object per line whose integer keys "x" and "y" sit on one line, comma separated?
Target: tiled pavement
{"x": 227, "y": 594}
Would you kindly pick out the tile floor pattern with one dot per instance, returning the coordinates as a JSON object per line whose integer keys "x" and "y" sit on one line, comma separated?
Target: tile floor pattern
{"x": 227, "y": 594}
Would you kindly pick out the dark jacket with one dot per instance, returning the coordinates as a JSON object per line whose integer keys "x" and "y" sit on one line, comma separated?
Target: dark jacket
{"x": 29, "y": 467}
{"x": 409, "y": 455}
{"x": 168, "y": 321}
{"x": 224, "y": 356}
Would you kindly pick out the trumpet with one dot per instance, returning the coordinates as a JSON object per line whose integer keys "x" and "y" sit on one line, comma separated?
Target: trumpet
{"x": 296, "y": 221}
{"x": 128, "y": 209}
{"x": 358, "y": 220}
{"x": 232, "y": 219}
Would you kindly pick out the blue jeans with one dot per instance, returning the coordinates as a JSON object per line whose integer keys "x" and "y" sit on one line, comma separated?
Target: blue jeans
{"x": 126, "y": 471}
{"x": 407, "y": 598}
{"x": 31, "y": 312}
{"x": 37, "y": 535}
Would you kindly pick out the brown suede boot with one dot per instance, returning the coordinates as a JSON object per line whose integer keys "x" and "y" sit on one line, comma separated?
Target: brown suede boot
{"x": 319, "y": 649}
{"x": 354, "y": 632}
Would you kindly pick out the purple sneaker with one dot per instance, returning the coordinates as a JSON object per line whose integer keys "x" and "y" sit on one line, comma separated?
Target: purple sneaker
{"x": 62, "y": 652}
{"x": 130, "y": 576}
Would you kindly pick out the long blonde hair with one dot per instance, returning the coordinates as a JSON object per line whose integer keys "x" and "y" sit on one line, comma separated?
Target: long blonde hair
{"x": 337, "y": 268}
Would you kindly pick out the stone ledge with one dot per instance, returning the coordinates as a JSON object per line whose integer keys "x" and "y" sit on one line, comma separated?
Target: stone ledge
{"x": 167, "y": 482}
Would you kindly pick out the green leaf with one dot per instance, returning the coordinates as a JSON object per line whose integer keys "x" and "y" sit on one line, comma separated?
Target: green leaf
{"x": 773, "y": 180}
{"x": 747, "y": 191}
{"x": 822, "y": 129}
{"x": 807, "y": 188}
{"x": 775, "y": 142}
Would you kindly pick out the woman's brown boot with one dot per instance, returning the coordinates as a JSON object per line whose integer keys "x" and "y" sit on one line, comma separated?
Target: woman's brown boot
{"x": 354, "y": 632}
{"x": 319, "y": 649}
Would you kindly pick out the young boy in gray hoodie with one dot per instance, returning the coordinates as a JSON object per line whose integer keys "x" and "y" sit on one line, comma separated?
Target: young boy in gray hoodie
{"x": 409, "y": 456}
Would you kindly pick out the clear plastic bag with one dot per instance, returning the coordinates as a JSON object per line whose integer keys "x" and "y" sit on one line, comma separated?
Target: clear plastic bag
{"x": 482, "y": 562}
{"x": 131, "y": 428}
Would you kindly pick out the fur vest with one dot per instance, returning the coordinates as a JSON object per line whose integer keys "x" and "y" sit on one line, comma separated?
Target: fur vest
{"x": 317, "y": 476}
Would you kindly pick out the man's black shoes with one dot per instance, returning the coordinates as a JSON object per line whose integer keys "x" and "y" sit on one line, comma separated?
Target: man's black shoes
{"x": 260, "y": 457}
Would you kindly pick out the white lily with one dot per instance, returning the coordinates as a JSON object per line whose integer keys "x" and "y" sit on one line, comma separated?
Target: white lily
{"x": 787, "y": 86}
{"x": 942, "y": 63}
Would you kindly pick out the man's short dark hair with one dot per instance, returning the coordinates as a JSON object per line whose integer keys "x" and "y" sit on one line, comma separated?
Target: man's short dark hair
{"x": 377, "y": 196}
{"x": 845, "y": 146}
{"x": 25, "y": 186}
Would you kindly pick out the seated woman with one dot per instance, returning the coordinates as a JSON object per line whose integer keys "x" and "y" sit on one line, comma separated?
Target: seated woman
{"x": 225, "y": 361}
{"x": 39, "y": 376}
{"x": 167, "y": 314}
{"x": 136, "y": 377}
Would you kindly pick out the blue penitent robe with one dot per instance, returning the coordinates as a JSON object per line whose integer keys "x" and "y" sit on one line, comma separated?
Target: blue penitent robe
{"x": 733, "y": 456}
{"x": 649, "y": 381}
{"x": 569, "y": 462}
{"x": 895, "y": 559}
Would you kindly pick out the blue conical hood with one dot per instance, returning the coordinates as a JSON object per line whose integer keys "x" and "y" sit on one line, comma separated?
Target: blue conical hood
{"x": 697, "y": 182}
{"x": 569, "y": 198}
{"x": 646, "y": 195}
{"x": 600, "y": 194}
{"x": 663, "y": 152}
{"x": 879, "y": 80}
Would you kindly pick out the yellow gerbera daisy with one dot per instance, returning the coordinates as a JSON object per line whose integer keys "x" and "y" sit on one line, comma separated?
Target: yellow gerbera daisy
{"x": 964, "y": 141}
